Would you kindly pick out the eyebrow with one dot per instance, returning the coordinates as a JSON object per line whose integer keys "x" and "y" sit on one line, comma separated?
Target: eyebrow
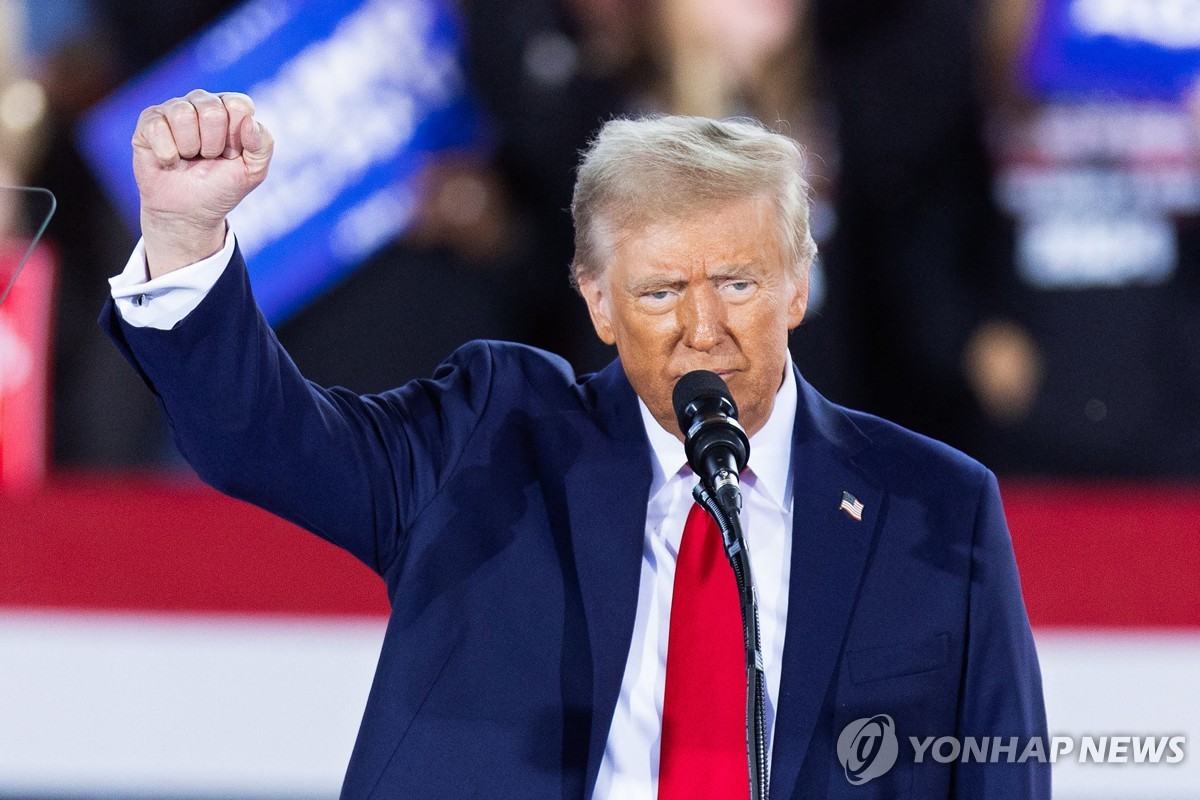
{"x": 729, "y": 271}
{"x": 724, "y": 272}
{"x": 655, "y": 284}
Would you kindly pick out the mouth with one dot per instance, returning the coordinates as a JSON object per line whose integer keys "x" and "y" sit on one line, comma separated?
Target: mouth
{"x": 724, "y": 374}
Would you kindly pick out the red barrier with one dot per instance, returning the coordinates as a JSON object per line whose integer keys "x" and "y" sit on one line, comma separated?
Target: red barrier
{"x": 1126, "y": 556}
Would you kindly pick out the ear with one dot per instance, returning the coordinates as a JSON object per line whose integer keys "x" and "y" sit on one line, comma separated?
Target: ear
{"x": 595, "y": 294}
{"x": 798, "y": 300}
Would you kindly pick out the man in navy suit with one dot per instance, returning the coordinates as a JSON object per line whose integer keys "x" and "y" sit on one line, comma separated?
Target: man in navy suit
{"x": 529, "y": 523}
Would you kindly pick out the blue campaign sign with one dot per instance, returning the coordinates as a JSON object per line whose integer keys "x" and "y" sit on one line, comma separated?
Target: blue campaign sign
{"x": 1138, "y": 49}
{"x": 357, "y": 93}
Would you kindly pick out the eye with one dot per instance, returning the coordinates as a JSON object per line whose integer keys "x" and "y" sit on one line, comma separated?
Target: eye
{"x": 657, "y": 299}
{"x": 738, "y": 289}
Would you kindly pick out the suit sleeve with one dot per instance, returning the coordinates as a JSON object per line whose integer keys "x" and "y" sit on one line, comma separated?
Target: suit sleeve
{"x": 1002, "y": 692}
{"x": 356, "y": 470}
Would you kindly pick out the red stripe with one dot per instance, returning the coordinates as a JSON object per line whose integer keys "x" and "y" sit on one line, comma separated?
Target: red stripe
{"x": 1126, "y": 556}
{"x": 159, "y": 545}
{"x": 1107, "y": 555}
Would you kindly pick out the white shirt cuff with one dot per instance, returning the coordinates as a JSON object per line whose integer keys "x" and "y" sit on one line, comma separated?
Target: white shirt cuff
{"x": 164, "y": 301}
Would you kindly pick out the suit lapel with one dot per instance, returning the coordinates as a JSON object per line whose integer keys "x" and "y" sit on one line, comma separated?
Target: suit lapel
{"x": 829, "y": 553}
{"x": 607, "y": 491}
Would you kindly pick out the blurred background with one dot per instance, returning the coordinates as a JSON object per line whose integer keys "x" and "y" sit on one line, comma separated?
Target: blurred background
{"x": 1005, "y": 196}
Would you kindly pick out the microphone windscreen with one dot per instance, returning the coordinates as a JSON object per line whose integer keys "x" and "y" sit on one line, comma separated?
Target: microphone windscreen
{"x": 695, "y": 385}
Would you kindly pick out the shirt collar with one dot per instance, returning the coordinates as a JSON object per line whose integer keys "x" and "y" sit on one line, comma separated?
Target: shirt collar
{"x": 770, "y": 448}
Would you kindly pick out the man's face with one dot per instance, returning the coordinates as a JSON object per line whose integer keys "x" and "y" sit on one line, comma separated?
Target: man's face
{"x": 708, "y": 291}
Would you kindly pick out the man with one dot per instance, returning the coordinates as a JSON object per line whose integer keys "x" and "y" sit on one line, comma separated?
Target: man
{"x": 534, "y": 529}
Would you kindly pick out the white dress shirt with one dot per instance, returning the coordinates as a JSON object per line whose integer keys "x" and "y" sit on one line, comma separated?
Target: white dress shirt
{"x": 629, "y": 769}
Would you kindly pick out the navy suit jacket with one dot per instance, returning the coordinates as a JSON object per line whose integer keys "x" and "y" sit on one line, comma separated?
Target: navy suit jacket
{"x": 503, "y": 503}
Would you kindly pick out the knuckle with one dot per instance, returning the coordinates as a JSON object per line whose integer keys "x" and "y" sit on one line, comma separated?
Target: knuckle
{"x": 180, "y": 112}
{"x": 155, "y": 125}
{"x": 145, "y": 126}
{"x": 238, "y": 102}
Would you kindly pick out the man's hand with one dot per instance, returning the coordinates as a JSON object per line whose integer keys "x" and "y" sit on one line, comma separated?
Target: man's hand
{"x": 194, "y": 159}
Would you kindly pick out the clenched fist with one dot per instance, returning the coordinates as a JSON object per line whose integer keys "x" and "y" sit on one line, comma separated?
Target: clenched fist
{"x": 194, "y": 159}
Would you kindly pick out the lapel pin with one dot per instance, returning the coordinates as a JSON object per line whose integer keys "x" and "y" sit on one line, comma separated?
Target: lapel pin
{"x": 852, "y": 506}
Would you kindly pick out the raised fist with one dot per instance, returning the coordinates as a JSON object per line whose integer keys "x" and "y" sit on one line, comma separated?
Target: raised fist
{"x": 194, "y": 159}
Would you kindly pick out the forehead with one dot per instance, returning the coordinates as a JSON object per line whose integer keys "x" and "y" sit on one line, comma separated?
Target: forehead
{"x": 716, "y": 236}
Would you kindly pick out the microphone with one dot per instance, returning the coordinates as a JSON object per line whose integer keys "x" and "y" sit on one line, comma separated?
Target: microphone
{"x": 716, "y": 445}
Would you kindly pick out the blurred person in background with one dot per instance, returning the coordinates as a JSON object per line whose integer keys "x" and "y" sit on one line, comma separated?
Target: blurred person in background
{"x": 1101, "y": 274}
{"x": 22, "y": 109}
{"x": 547, "y": 73}
{"x": 915, "y": 251}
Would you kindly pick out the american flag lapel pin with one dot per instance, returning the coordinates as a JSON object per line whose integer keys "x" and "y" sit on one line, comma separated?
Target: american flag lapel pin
{"x": 852, "y": 506}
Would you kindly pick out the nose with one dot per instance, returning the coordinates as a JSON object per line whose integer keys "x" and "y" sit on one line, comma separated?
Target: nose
{"x": 702, "y": 318}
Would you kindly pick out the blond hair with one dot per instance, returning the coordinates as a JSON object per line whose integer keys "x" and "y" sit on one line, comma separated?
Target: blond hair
{"x": 664, "y": 167}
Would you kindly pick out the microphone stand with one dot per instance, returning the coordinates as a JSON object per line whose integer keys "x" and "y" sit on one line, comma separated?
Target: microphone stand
{"x": 726, "y": 516}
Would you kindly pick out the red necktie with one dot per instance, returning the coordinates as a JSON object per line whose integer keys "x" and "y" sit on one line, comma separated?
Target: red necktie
{"x": 704, "y": 703}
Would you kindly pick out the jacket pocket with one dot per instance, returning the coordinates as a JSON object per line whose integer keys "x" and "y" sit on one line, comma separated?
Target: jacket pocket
{"x": 897, "y": 660}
